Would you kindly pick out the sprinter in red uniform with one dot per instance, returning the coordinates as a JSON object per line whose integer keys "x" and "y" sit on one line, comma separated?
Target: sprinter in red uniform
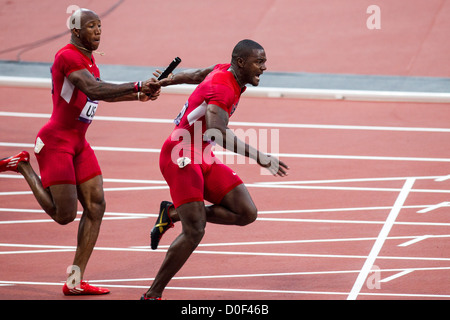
{"x": 68, "y": 166}
{"x": 191, "y": 169}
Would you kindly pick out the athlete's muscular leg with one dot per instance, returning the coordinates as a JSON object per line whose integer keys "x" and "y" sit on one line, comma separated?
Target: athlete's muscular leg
{"x": 236, "y": 208}
{"x": 91, "y": 196}
{"x": 193, "y": 220}
{"x": 58, "y": 201}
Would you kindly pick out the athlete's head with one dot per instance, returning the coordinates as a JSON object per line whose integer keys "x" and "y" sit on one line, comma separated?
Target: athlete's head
{"x": 86, "y": 28}
{"x": 249, "y": 61}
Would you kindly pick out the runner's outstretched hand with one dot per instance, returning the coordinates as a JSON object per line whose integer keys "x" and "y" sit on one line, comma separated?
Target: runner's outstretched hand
{"x": 273, "y": 164}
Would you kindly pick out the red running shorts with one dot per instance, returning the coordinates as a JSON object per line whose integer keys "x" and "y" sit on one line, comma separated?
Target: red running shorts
{"x": 196, "y": 182}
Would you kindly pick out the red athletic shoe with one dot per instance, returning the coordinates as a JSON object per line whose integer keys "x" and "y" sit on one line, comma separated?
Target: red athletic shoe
{"x": 83, "y": 289}
{"x": 11, "y": 163}
{"x": 143, "y": 297}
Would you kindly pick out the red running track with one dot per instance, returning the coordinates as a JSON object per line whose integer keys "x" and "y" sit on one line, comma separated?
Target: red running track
{"x": 314, "y": 234}
{"x": 349, "y": 209}
{"x": 299, "y": 35}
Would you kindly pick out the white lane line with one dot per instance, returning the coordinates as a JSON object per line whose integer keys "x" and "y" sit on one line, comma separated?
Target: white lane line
{"x": 251, "y": 185}
{"x": 244, "y": 290}
{"x": 236, "y": 253}
{"x": 143, "y": 181}
{"x": 443, "y": 178}
{"x": 368, "y": 264}
{"x": 21, "y": 193}
{"x": 36, "y": 251}
{"x": 284, "y": 155}
{"x": 233, "y": 253}
{"x": 146, "y": 215}
{"x": 415, "y": 240}
{"x": 405, "y": 223}
{"x": 331, "y": 256}
{"x": 229, "y": 244}
{"x": 107, "y": 213}
{"x": 338, "y": 209}
{"x": 283, "y": 242}
{"x": 114, "y": 180}
{"x": 397, "y": 275}
{"x": 308, "y": 187}
{"x": 434, "y": 207}
{"x": 269, "y": 186}
{"x": 137, "y": 188}
{"x": 349, "y": 180}
{"x": 77, "y": 219}
{"x": 265, "y": 212}
{"x": 241, "y": 123}
{"x": 277, "y": 274}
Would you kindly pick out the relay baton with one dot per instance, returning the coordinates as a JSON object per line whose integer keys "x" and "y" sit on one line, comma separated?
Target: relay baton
{"x": 175, "y": 62}
{"x": 170, "y": 68}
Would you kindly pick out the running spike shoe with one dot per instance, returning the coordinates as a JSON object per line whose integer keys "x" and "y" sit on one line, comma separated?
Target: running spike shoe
{"x": 143, "y": 297}
{"x": 11, "y": 163}
{"x": 163, "y": 223}
{"x": 84, "y": 288}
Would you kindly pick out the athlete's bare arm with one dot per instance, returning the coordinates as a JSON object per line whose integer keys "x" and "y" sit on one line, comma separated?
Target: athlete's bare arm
{"x": 135, "y": 96}
{"x": 190, "y": 76}
{"x": 100, "y": 90}
{"x": 217, "y": 129}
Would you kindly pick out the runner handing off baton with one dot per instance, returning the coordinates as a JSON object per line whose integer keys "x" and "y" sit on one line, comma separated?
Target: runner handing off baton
{"x": 68, "y": 166}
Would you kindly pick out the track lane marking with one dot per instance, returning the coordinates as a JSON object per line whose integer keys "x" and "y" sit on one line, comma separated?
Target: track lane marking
{"x": 368, "y": 264}
{"x": 241, "y": 123}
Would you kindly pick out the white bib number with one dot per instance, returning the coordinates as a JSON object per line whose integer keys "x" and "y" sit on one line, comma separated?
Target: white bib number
{"x": 88, "y": 112}
{"x": 177, "y": 120}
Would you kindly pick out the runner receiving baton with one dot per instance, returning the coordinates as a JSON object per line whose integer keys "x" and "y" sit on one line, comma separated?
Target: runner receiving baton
{"x": 191, "y": 182}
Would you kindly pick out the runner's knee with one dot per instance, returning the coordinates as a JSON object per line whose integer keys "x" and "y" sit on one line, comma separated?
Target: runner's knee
{"x": 64, "y": 216}
{"x": 194, "y": 234}
{"x": 249, "y": 215}
{"x": 95, "y": 209}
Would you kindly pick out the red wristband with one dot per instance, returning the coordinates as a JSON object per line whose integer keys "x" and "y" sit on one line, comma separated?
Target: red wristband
{"x": 137, "y": 86}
